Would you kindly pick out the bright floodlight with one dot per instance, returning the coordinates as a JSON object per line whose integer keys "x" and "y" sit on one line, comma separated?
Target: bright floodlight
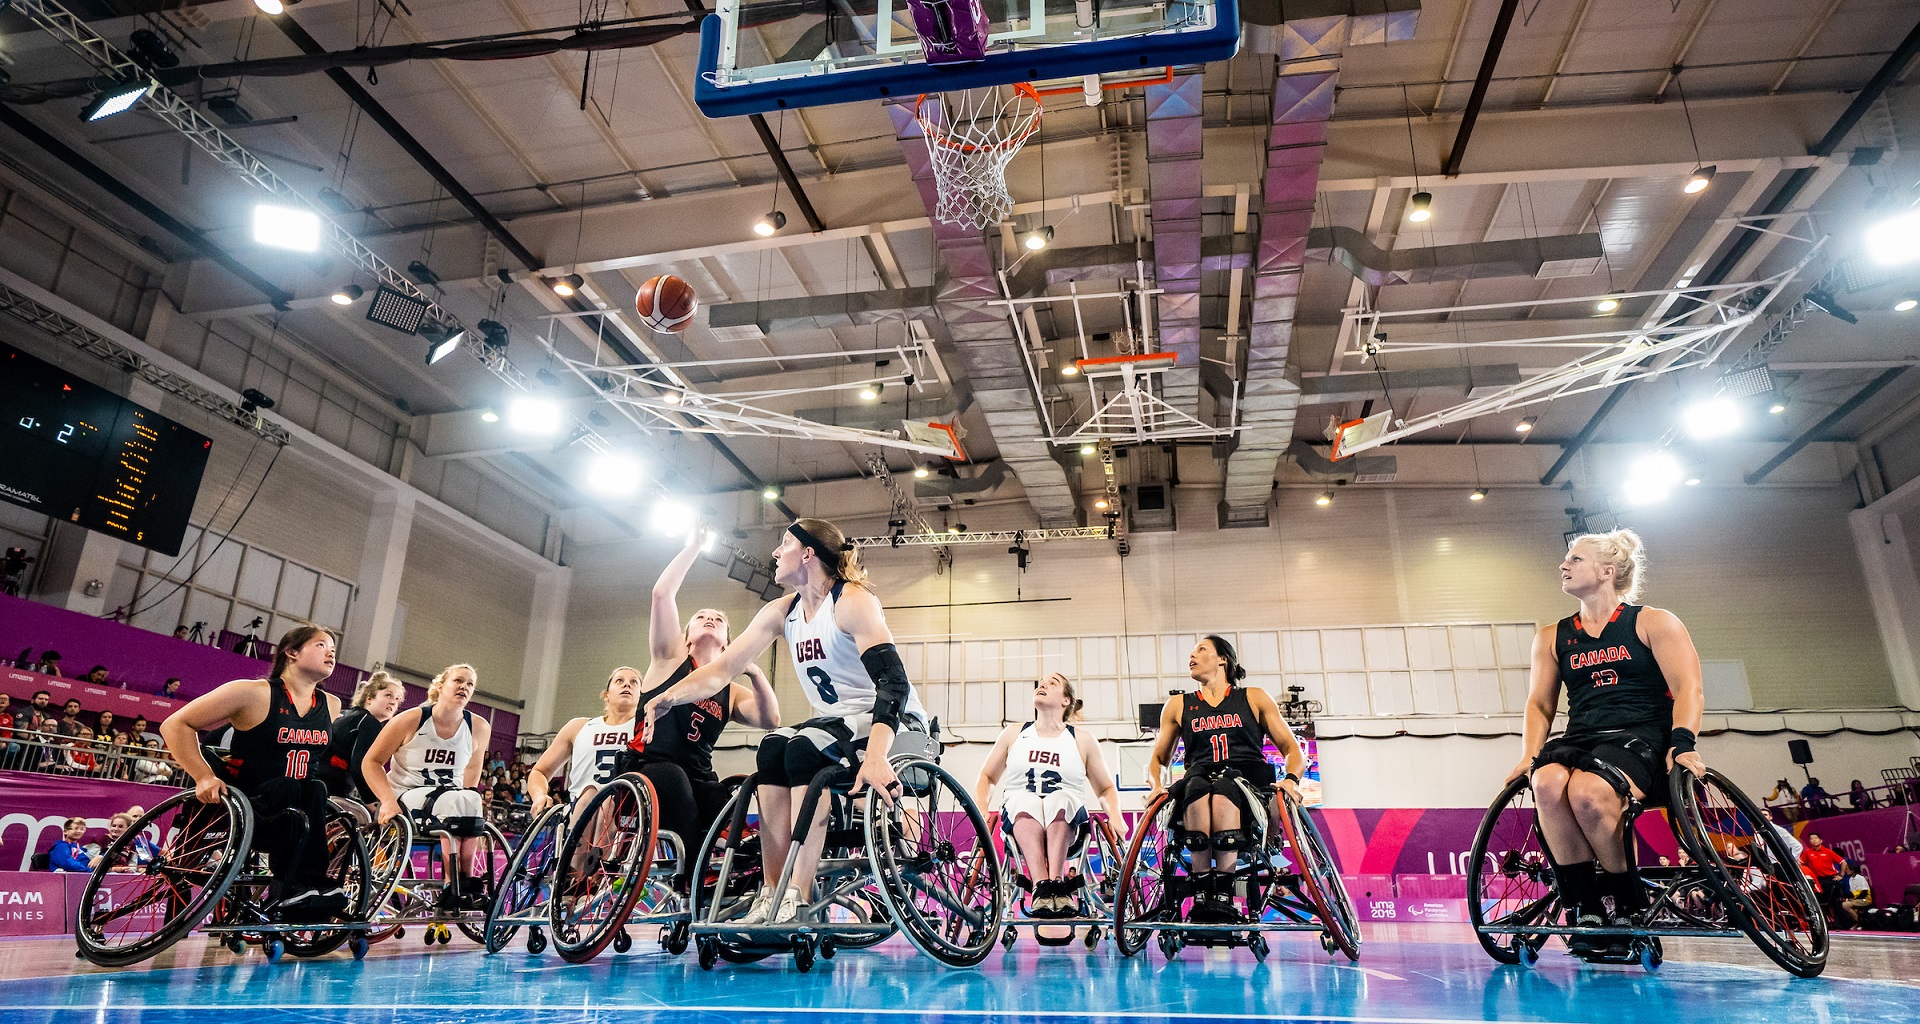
{"x": 673, "y": 518}
{"x": 1896, "y": 239}
{"x": 117, "y": 99}
{"x": 1713, "y": 417}
{"x": 270, "y": 6}
{"x": 445, "y": 347}
{"x": 1652, "y": 478}
{"x": 531, "y": 415}
{"x": 614, "y": 475}
{"x": 286, "y": 227}
{"x": 1698, "y": 181}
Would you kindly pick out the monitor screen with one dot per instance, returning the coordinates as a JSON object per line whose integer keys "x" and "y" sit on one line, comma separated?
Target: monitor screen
{"x": 84, "y": 455}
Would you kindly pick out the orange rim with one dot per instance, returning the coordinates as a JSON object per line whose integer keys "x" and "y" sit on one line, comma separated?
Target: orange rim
{"x": 1014, "y": 142}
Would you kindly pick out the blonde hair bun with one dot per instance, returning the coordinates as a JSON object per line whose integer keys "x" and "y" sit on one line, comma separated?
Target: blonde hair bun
{"x": 1627, "y": 554}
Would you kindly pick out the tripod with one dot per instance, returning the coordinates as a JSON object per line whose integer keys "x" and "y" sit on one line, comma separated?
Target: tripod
{"x": 198, "y": 635}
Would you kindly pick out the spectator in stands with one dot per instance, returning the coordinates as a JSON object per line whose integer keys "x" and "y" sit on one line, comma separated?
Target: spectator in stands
{"x": 1859, "y": 897}
{"x": 180, "y": 632}
{"x": 103, "y": 726}
{"x": 49, "y": 663}
{"x": 1824, "y": 866}
{"x": 97, "y": 675}
{"x": 136, "y": 856}
{"x": 1859, "y": 798}
{"x": 141, "y": 727}
{"x": 171, "y": 688}
{"x": 39, "y": 715}
{"x": 119, "y": 764}
{"x": 9, "y": 750}
{"x": 1818, "y": 800}
{"x": 150, "y": 764}
{"x": 68, "y": 854}
{"x": 81, "y": 756}
{"x": 70, "y": 718}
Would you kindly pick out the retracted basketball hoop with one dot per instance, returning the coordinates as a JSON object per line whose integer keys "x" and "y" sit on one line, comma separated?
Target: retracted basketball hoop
{"x": 1352, "y": 435}
{"x": 975, "y": 136}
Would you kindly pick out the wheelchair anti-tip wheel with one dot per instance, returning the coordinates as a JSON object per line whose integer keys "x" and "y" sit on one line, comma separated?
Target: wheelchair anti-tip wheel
{"x": 528, "y": 882}
{"x": 934, "y": 859}
{"x": 1510, "y": 878}
{"x": 1767, "y": 896}
{"x": 602, "y": 868}
{"x": 202, "y": 848}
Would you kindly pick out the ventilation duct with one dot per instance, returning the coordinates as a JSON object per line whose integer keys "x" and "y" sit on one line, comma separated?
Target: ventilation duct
{"x": 968, "y": 302}
{"x": 821, "y": 311}
{"x": 1174, "y": 150}
{"x": 1514, "y": 257}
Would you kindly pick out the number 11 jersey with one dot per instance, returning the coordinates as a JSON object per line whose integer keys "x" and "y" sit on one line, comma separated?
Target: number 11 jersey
{"x": 827, "y": 661}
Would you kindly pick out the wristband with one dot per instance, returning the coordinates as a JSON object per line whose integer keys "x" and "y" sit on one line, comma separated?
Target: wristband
{"x": 1290, "y": 776}
{"x": 1681, "y": 741}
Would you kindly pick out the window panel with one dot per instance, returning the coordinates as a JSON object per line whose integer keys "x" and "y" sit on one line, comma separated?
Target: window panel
{"x": 221, "y": 568}
{"x": 330, "y": 603}
{"x": 297, "y": 584}
{"x": 1059, "y": 654}
{"x": 259, "y": 578}
{"x": 1386, "y": 647}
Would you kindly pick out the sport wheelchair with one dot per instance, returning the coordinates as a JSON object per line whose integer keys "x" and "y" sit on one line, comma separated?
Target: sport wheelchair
{"x": 1096, "y": 855}
{"x": 924, "y": 865}
{"x": 1743, "y": 881}
{"x": 206, "y": 874}
{"x": 1287, "y": 879}
{"x": 413, "y": 881}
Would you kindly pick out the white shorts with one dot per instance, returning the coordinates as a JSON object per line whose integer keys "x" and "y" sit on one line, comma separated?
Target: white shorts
{"x": 1059, "y": 804}
{"x": 452, "y": 803}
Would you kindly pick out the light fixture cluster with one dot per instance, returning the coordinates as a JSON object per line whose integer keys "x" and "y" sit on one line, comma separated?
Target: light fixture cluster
{"x": 1652, "y": 477}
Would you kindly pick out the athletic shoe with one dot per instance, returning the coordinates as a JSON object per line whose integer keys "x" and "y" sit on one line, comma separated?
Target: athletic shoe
{"x": 761, "y": 910}
{"x": 1586, "y": 945}
{"x": 310, "y": 905}
{"x": 1046, "y": 899}
{"x": 789, "y": 907}
{"x": 1205, "y": 909}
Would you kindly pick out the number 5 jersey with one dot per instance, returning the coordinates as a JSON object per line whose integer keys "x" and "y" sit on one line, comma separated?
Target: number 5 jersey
{"x": 827, "y": 661}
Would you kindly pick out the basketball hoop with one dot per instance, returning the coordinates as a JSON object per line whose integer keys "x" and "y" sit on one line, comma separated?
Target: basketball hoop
{"x": 977, "y": 134}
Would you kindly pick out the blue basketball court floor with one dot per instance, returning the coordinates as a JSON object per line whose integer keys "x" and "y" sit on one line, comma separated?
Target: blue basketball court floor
{"x": 1407, "y": 975}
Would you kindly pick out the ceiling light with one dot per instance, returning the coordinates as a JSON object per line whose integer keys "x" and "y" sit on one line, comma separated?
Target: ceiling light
{"x": 1693, "y": 481}
{"x": 1100, "y": 503}
{"x": 489, "y": 416}
{"x": 1698, "y": 181}
{"x": 614, "y": 474}
{"x": 1089, "y": 448}
{"x": 1652, "y": 477}
{"x": 1039, "y": 237}
{"x": 772, "y": 222}
{"x": 566, "y": 286}
{"x": 1777, "y": 406}
{"x": 1607, "y": 305}
{"x": 1905, "y": 304}
{"x": 1325, "y": 499}
{"x": 1479, "y": 494}
{"x": 286, "y": 227}
{"x": 445, "y": 347}
{"x": 771, "y": 492}
{"x": 347, "y": 295}
{"x": 531, "y": 415}
{"x": 270, "y": 6}
{"x": 1712, "y": 417}
{"x": 956, "y": 528}
{"x": 1526, "y": 425}
{"x": 673, "y": 518}
{"x": 1420, "y": 207}
{"x": 1070, "y": 370}
{"x": 1896, "y": 239}
{"x": 871, "y": 393}
{"x": 114, "y": 99}
{"x": 921, "y": 472}
{"x": 670, "y": 397}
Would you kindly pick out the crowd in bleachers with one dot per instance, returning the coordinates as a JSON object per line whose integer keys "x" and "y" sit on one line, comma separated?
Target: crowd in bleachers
{"x": 66, "y": 739}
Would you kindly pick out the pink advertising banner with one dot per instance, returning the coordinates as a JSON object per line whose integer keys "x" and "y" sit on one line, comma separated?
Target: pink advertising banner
{"x": 125, "y": 704}
{"x": 33, "y": 807}
{"x": 34, "y": 903}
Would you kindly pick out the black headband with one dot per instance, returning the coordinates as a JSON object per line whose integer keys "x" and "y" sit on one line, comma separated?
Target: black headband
{"x": 828, "y": 556}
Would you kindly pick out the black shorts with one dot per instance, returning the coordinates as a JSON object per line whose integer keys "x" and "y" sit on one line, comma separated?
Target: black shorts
{"x": 1637, "y": 753}
{"x": 1221, "y": 780}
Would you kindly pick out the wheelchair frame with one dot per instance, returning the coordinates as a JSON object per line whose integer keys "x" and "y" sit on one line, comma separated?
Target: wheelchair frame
{"x": 1097, "y": 893}
{"x": 645, "y": 878}
{"x": 407, "y": 899}
{"x": 1311, "y": 900}
{"x": 227, "y": 891}
{"x": 1705, "y": 898}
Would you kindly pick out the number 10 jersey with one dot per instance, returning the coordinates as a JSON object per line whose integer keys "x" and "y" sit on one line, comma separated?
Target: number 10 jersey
{"x": 827, "y": 662}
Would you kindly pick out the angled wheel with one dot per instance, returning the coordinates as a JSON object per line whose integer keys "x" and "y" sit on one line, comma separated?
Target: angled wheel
{"x": 934, "y": 860}
{"x": 389, "y": 863}
{"x": 1320, "y": 878}
{"x": 602, "y": 868}
{"x": 1141, "y": 895}
{"x": 494, "y": 854}
{"x": 1510, "y": 877}
{"x": 528, "y": 882}
{"x": 126, "y": 917}
{"x": 1749, "y": 866}
{"x": 727, "y": 874}
{"x": 865, "y": 907}
{"x": 348, "y": 866}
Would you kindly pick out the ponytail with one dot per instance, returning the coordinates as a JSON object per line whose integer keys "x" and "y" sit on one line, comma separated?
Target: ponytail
{"x": 1235, "y": 671}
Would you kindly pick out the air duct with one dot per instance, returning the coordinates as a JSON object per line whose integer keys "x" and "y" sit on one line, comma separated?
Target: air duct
{"x": 1174, "y": 150}
{"x": 968, "y": 301}
{"x": 1302, "y": 104}
{"x": 1467, "y": 261}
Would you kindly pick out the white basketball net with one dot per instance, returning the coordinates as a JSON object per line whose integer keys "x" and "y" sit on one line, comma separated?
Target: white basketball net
{"x": 975, "y": 135}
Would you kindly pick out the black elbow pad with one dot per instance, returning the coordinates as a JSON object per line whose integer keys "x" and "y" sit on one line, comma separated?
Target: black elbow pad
{"x": 890, "y": 687}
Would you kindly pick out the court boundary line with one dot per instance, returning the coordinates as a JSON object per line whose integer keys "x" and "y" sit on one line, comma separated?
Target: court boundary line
{"x": 812, "y": 1010}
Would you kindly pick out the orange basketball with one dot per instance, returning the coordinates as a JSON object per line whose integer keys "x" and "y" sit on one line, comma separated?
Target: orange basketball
{"x": 666, "y": 304}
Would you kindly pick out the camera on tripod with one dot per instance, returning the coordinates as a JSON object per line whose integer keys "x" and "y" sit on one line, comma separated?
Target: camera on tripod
{"x": 13, "y": 570}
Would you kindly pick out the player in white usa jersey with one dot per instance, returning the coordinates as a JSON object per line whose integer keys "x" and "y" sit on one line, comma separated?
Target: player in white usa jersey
{"x": 437, "y": 750}
{"x": 855, "y": 681}
{"x": 589, "y": 746}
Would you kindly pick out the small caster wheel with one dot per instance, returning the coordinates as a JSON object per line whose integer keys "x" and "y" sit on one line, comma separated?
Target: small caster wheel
{"x": 674, "y": 939}
{"x": 1258, "y": 943}
{"x": 1093, "y": 938}
{"x": 622, "y": 941}
{"x": 358, "y": 947}
{"x": 400, "y": 932}
{"x": 1009, "y": 936}
{"x": 275, "y": 950}
{"x": 427, "y": 937}
{"x": 536, "y": 941}
{"x": 709, "y": 951}
{"x": 446, "y": 935}
{"x": 1169, "y": 945}
{"x": 1651, "y": 955}
{"x": 1529, "y": 953}
{"x": 236, "y": 945}
{"x": 828, "y": 947}
{"x": 802, "y": 953}
{"x": 1327, "y": 943}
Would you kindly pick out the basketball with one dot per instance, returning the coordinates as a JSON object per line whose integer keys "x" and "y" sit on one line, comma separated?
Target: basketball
{"x": 666, "y": 304}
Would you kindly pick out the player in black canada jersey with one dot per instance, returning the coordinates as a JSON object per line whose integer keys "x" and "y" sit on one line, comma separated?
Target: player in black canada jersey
{"x": 1632, "y": 680}
{"x": 279, "y": 747}
{"x": 1224, "y": 726}
{"x": 678, "y": 758}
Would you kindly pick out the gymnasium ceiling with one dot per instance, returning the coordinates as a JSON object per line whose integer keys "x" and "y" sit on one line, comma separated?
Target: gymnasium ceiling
{"x": 610, "y": 170}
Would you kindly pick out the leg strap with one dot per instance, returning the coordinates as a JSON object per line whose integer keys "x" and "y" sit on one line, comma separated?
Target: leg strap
{"x": 1231, "y": 839}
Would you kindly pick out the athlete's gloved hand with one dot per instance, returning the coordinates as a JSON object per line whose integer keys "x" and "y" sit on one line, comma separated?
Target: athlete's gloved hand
{"x": 876, "y": 772}
{"x": 1691, "y": 759}
{"x": 1290, "y": 787}
{"x": 209, "y": 790}
{"x": 388, "y": 810}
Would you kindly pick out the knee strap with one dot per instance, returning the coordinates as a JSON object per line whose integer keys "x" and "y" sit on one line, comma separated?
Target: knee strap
{"x": 1614, "y": 776}
{"x": 1192, "y": 840}
{"x": 770, "y": 761}
{"x": 464, "y": 827}
{"x": 1230, "y": 839}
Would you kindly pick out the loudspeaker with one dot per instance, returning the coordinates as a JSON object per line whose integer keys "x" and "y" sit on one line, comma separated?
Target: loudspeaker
{"x": 1150, "y": 716}
{"x": 1800, "y": 751}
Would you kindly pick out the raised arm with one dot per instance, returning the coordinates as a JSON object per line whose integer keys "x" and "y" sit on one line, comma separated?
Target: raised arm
{"x": 182, "y": 729}
{"x": 664, "y": 633}
{"x": 995, "y": 766}
{"x": 1673, "y": 650}
{"x": 373, "y": 768}
{"x": 1543, "y": 700}
{"x": 1275, "y": 723}
{"x": 755, "y": 703}
{"x": 715, "y": 675}
{"x": 1163, "y": 746}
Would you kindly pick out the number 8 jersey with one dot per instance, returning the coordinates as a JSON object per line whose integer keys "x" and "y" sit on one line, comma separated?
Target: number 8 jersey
{"x": 827, "y": 662}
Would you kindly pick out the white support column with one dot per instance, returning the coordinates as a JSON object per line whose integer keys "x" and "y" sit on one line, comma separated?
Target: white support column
{"x": 1893, "y": 585}
{"x": 546, "y": 630}
{"x": 383, "y": 557}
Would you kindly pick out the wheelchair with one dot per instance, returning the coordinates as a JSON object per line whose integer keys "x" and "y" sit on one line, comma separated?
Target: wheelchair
{"x": 1287, "y": 878}
{"x": 208, "y": 876}
{"x": 413, "y": 880}
{"x": 1743, "y": 881}
{"x": 586, "y": 880}
{"x": 924, "y": 866}
{"x": 1095, "y": 853}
